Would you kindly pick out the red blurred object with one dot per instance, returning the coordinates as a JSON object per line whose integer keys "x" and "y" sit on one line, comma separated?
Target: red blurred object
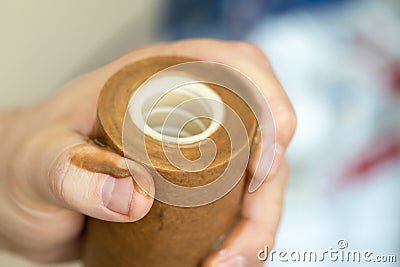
{"x": 384, "y": 150}
{"x": 394, "y": 77}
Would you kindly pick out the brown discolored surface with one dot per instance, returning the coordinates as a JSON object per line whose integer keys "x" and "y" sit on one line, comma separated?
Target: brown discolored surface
{"x": 86, "y": 158}
{"x": 99, "y": 160}
{"x": 167, "y": 235}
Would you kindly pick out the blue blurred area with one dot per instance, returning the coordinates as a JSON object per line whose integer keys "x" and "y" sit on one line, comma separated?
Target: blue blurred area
{"x": 227, "y": 19}
{"x": 339, "y": 62}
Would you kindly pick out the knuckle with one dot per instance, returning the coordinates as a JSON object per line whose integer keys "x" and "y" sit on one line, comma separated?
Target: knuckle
{"x": 269, "y": 238}
{"x": 57, "y": 176}
{"x": 266, "y": 235}
{"x": 287, "y": 123}
{"x": 247, "y": 48}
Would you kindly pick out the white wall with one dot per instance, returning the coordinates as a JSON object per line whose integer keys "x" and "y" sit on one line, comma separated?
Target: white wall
{"x": 45, "y": 43}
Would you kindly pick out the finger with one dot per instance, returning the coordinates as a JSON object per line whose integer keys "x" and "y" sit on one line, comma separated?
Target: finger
{"x": 79, "y": 176}
{"x": 271, "y": 156}
{"x": 257, "y": 228}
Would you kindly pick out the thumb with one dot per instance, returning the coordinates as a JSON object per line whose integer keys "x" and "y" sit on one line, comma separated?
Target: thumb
{"x": 81, "y": 176}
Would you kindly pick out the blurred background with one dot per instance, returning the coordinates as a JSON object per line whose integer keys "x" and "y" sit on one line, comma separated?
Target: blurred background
{"x": 339, "y": 61}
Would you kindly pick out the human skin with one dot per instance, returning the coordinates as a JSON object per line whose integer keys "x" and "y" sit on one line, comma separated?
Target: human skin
{"x": 43, "y": 198}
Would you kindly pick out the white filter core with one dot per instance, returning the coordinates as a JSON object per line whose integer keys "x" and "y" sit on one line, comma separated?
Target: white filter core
{"x": 174, "y": 108}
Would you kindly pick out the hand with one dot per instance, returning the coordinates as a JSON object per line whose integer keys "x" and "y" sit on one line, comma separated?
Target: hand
{"x": 44, "y": 198}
